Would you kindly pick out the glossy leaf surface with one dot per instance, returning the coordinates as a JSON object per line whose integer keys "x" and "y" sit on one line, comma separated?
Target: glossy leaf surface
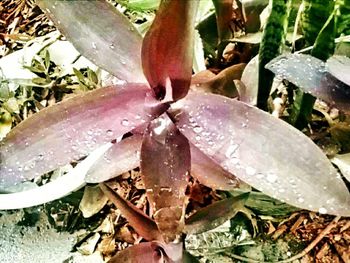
{"x": 170, "y": 39}
{"x": 120, "y": 158}
{"x": 165, "y": 163}
{"x": 100, "y": 33}
{"x": 214, "y": 215}
{"x": 142, "y": 224}
{"x": 71, "y": 129}
{"x": 263, "y": 151}
{"x": 311, "y": 75}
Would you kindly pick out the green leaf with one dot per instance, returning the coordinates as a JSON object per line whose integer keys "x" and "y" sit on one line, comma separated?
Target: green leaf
{"x": 271, "y": 46}
{"x": 143, "y": 5}
{"x": 263, "y": 204}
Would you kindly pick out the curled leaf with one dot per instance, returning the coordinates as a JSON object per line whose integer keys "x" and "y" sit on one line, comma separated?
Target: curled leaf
{"x": 263, "y": 151}
{"x": 170, "y": 39}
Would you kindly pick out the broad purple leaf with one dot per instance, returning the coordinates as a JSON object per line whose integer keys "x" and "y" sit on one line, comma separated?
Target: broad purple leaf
{"x": 124, "y": 156}
{"x": 73, "y": 128}
{"x": 263, "y": 151}
{"x": 215, "y": 214}
{"x": 210, "y": 173}
{"x": 120, "y": 158}
{"x": 312, "y": 76}
{"x": 167, "y": 49}
{"x": 165, "y": 163}
{"x": 149, "y": 252}
{"x": 101, "y": 33}
{"x": 142, "y": 224}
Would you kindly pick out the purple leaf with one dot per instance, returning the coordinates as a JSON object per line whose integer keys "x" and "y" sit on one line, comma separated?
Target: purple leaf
{"x": 209, "y": 173}
{"x": 224, "y": 12}
{"x": 73, "y": 128}
{"x": 140, "y": 253}
{"x": 167, "y": 49}
{"x": 165, "y": 163}
{"x": 101, "y": 33}
{"x": 124, "y": 156}
{"x": 263, "y": 151}
{"x": 120, "y": 158}
{"x": 215, "y": 214}
{"x": 142, "y": 224}
{"x": 315, "y": 77}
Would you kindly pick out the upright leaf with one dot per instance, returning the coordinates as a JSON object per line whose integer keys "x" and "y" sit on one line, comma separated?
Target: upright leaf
{"x": 271, "y": 46}
{"x": 224, "y": 12}
{"x": 167, "y": 49}
{"x": 263, "y": 151}
{"x": 99, "y": 31}
{"x": 71, "y": 129}
{"x": 165, "y": 163}
{"x": 313, "y": 18}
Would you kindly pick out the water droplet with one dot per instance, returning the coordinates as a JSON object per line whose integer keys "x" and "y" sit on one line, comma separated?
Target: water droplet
{"x": 301, "y": 200}
{"x": 250, "y": 170}
{"x": 198, "y": 138}
{"x": 260, "y": 176}
{"x": 125, "y": 122}
{"x": 322, "y": 210}
{"x": 271, "y": 177}
{"x": 111, "y": 46}
{"x": 109, "y": 132}
{"x": 123, "y": 62}
{"x": 93, "y": 44}
{"x": 197, "y": 129}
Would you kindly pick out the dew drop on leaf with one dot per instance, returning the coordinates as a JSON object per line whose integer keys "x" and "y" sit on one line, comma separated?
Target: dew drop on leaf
{"x": 322, "y": 210}
{"x": 197, "y": 129}
{"x": 109, "y": 132}
{"x": 250, "y": 170}
{"x": 271, "y": 177}
{"x": 125, "y": 122}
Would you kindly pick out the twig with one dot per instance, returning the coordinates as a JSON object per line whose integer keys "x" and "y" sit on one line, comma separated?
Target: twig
{"x": 299, "y": 255}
